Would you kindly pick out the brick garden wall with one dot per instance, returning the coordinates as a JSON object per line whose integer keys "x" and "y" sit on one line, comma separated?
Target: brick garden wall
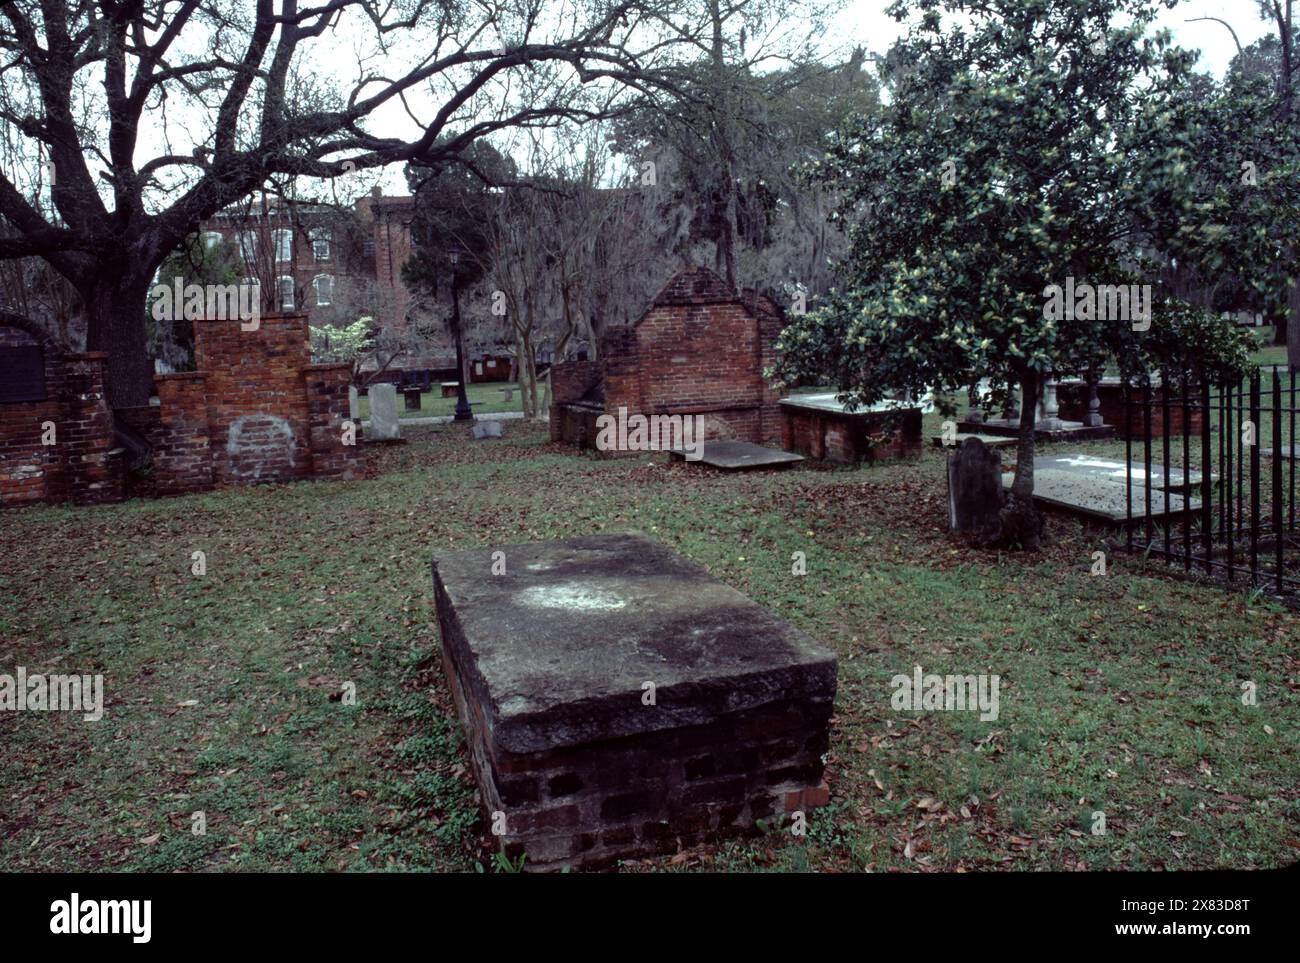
{"x": 78, "y": 466}
{"x": 256, "y": 411}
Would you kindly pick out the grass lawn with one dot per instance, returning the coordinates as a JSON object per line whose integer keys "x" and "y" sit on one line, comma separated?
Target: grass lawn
{"x": 1268, "y": 352}
{"x": 1119, "y": 694}
{"x": 485, "y": 398}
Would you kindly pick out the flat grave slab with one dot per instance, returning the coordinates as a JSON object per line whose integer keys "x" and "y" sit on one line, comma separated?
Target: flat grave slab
{"x": 1286, "y": 453}
{"x": 737, "y": 456}
{"x": 1113, "y": 469}
{"x": 1098, "y": 497}
{"x": 1063, "y": 430}
{"x": 618, "y": 700}
{"x": 828, "y": 402}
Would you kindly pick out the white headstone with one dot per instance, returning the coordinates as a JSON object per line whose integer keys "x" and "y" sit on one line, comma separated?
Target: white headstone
{"x": 487, "y": 429}
{"x": 384, "y": 423}
{"x": 354, "y": 404}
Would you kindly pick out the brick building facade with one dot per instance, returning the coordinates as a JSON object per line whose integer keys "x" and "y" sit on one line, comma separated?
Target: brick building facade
{"x": 332, "y": 264}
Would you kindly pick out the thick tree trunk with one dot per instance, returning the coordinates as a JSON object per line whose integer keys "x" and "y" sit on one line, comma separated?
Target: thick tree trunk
{"x": 116, "y": 305}
{"x": 1022, "y": 523}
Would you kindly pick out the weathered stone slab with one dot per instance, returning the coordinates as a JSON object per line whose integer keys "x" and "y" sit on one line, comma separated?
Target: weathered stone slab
{"x": 989, "y": 441}
{"x": 1286, "y": 453}
{"x": 1114, "y": 470}
{"x": 487, "y": 429}
{"x": 1062, "y": 430}
{"x": 384, "y": 422}
{"x": 618, "y": 699}
{"x": 829, "y": 402}
{"x": 737, "y": 455}
{"x": 1099, "y": 497}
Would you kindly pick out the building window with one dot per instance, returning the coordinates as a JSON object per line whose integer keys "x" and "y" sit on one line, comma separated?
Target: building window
{"x": 286, "y": 291}
{"x": 211, "y": 239}
{"x": 324, "y": 285}
{"x": 248, "y": 246}
{"x": 283, "y": 245}
{"x": 320, "y": 243}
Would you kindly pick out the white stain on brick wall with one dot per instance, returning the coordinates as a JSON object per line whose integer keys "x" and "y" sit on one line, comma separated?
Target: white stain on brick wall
{"x": 259, "y": 443}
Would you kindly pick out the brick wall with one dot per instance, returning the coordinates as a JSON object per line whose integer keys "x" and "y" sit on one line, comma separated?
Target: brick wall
{"x": 326, "y": 389}
{"x": 255, "y": 411}
{"x": 390, "y": 221}
{"x": 256, "y": 406}
{"x": 570, "y": 382}
{"x": 79, "y": 466}
{"x": 183, "y": 451}
{"x": 698, "y": 350}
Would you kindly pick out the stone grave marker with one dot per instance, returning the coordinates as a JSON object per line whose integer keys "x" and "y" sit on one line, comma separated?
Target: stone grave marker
{"x": 619, "y": 700}
{"x": 487, "y": 429}
{"x": 384, "y": 423}
{"x": 354, "y": 405}
{"x": 974, "y": 486}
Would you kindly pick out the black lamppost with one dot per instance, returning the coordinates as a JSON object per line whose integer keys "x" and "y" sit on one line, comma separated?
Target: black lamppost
{"x": 463, "y": 410}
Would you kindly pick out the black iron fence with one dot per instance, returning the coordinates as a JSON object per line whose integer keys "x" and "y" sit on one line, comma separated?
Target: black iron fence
{"x": 1212, "y": 478}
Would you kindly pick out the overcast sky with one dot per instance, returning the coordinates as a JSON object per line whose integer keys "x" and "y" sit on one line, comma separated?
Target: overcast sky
{"x": 865, "y": 23}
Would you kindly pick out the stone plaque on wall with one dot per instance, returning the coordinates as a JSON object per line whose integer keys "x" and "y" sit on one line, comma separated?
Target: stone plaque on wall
{"x": 22, "y": 373}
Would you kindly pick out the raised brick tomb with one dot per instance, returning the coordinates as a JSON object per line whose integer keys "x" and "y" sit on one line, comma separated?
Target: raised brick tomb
{"x": 699, "y": 350}
{"x": 819, "y": 426}
{"x": 549, "y": 662}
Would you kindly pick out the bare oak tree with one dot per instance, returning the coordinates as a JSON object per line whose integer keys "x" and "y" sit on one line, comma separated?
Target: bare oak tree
{"x": 128, "y": 122}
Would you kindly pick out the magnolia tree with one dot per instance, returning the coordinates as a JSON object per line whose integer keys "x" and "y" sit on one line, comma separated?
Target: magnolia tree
{"x": 1223, "y": 204}
{"x": 352, "y": 343}
{"x": 1004, "y": 172}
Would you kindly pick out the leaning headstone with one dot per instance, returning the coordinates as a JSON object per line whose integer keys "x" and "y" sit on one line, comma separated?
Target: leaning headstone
{"x": 354, "y": 405}
{"x": 384, "y": 425}
{"x": 487, "y": 429}
{"x": 974, "y": 486}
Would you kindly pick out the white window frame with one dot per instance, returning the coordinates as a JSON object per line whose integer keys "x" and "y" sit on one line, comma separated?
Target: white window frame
{"x": 283, "y": 302}
{"x": 321, "y": 236}
{"x": 211, "y": 239}
{"x": 282, "y": 238}
{"x": 248, "y": 246}
{"x": 316, "y": 283}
